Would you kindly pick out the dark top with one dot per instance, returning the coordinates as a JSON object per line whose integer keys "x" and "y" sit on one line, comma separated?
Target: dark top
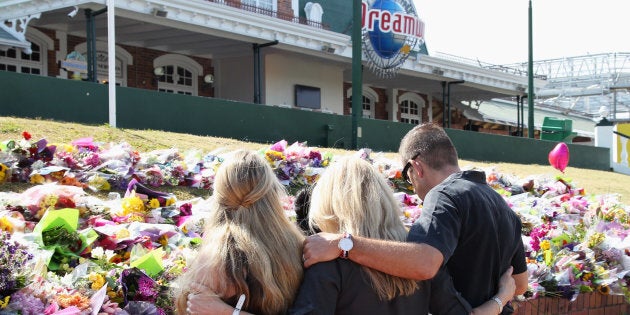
{"x": 476, "y": 231}
{"x": 343, "y": 287}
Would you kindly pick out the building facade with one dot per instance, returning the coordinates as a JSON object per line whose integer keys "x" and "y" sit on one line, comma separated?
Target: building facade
{"x": 287, "y": 53}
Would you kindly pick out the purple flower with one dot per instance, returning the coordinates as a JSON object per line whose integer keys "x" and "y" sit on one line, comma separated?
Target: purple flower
{"x": 26, "y": 304}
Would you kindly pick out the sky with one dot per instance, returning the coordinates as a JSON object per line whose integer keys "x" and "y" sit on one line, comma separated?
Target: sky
{"x": 496, "y": 31}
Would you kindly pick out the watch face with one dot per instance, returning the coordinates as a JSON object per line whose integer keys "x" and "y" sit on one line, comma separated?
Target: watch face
{"x": 345, "y": 244}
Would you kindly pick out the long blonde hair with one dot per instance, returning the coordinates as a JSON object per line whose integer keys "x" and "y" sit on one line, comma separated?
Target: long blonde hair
{"x": 351, "y": 196}
{"x": 249, "y": 246}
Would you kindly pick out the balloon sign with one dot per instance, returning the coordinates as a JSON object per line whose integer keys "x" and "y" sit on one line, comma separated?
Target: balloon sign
{"x": 559, "y": 156}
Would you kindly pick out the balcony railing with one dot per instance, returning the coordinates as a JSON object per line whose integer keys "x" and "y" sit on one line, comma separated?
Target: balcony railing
{"x": 270, "y": 12}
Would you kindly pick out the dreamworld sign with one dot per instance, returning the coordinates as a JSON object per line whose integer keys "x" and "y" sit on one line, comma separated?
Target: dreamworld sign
{"x": 390, "y": 30}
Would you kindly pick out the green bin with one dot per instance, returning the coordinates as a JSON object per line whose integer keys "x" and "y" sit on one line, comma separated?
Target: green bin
{"x": 556, "y": 129}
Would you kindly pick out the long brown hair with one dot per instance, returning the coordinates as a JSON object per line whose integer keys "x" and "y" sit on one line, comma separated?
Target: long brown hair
{"x": 249, "y": 246}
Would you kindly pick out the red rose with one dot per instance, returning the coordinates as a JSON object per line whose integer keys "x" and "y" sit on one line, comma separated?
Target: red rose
{"x": 26, "y": 135}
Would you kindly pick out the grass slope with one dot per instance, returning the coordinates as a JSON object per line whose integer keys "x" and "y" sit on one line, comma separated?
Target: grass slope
{"x": 11, "y": 128}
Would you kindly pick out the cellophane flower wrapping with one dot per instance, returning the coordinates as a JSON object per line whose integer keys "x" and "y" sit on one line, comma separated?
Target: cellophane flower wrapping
{"x": 124, "y": 251}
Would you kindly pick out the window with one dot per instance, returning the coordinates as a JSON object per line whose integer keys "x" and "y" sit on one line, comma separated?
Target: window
{"x": 368, "y": 101}
{"x": 367, "y": 107}
{"x": 410, "y": 107}
{"x": 263, "y": 4}
{"x": 15, "y": 60}
{"x": 409, "y": 112}
{"x": 180, "y": 74}
{"x": 176, "y": 80}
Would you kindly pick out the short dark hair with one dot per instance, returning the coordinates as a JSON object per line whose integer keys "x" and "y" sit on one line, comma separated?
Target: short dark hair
{"x": 430, "y": 143}
{"x": 301, "y": 205}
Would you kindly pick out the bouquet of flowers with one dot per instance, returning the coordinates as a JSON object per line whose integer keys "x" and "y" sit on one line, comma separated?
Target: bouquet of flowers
{"x": 15, "y": 263}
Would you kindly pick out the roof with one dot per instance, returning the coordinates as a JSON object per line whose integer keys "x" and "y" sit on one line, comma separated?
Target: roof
{"x": 505, "y": 112}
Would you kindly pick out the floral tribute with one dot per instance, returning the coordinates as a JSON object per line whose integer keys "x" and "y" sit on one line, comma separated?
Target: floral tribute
{"x": 65, "y": 251}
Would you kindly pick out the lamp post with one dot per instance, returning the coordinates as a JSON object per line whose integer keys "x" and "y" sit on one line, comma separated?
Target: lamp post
{"x": 357, "y": 73}
{"x": 530, "y": 77}
{"x": 91, "y": 42}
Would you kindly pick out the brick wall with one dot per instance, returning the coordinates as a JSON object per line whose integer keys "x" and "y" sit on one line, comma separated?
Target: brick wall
{"x": 585, "y": 304}
{"x": 380, "y": 105}
{"x": 140, "y": 74}
{"x": 284, "y": 8}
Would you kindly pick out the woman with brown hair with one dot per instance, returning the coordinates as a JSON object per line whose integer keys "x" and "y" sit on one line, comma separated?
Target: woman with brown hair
{"x": 249, "y": 246}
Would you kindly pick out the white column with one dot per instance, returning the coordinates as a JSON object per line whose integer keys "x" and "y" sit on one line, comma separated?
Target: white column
{"x": 61, "y": 54}
{"x": 392, "y": 104}
{"x": 295, "y": 5}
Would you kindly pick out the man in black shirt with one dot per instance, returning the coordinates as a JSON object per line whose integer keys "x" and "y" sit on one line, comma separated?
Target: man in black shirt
{"x": 464, "y": 225}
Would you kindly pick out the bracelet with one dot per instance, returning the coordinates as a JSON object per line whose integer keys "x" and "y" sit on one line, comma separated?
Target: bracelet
{"x": 499, "y": 303}
{"x": 239, "y": 305}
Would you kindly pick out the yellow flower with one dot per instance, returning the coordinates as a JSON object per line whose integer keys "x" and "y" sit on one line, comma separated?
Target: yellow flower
{"x": 154, "y": 203}
{"x": 137, "y": 217}
{"x": 545, "y": 245}
{"x": 603, "y": 289}
{"x": 37, "y": 179}
{"x": 65, "y": 148}
{"x": 6, "y": 225}
{"x": 132, "y": 204}
{"x": 49, "y": 201}
{"x": 170, "y": 201}
{"x": 122, "y": 234}
{"x": 98, "y": 281}
{"x": 5, "y": 302}
{"x": 99, "y": 183}
{"x": 595, "y": 239}
{"x": 163, "y": 240}
{"x": 3, "y": 172}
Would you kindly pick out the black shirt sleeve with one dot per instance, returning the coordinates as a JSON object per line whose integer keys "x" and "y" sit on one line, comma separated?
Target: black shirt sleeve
{"x": 439, "y": 224}
{"x": 518, "y": 260}
{"x": 319, "y": 290}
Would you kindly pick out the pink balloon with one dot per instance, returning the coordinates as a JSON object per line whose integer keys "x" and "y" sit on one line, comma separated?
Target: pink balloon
{"x": 559, "y": 156}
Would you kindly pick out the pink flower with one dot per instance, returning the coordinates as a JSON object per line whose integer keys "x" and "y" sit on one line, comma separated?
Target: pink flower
{"x": 279, "y": 146}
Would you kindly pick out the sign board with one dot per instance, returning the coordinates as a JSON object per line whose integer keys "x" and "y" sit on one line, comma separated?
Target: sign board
{"x": 74, "y": 62}
{"x": 390, "y": 30}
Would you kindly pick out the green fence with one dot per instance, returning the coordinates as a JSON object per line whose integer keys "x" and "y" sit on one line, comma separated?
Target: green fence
{"x": 32, "y": 96}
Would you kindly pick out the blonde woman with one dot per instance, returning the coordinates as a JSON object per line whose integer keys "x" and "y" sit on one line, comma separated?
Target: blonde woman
{"x": 351, "y": 197}
{"x": 249, "y": 247}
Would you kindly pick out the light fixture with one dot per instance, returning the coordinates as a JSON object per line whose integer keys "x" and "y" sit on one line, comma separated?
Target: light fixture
{"x": 208, "y": 78}
{"x": 158, "y": 71}
{"x": 74, "y": 12}
{"x": 603, "y": 112}
{"x": 328, "y": 49}
{"x": 160, "y": 13}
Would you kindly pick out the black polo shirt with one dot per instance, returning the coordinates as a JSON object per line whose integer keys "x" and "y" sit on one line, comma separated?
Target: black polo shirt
{"x": 476, "y": 231}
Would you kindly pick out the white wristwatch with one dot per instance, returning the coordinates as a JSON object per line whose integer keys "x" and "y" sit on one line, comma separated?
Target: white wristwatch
{"x": 345, "y": 245}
